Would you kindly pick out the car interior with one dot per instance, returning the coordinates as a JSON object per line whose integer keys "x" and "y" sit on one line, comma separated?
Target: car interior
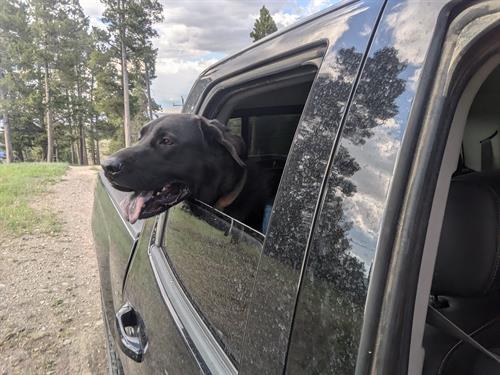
{"x": 266, "y": 115}
{"x": 462, "y": 333}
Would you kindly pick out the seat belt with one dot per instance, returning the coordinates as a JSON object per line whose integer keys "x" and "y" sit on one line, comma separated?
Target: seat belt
{"x": 438, "y": 320}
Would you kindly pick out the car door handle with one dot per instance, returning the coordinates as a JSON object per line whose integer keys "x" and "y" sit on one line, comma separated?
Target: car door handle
{"x": 130, "y": 327}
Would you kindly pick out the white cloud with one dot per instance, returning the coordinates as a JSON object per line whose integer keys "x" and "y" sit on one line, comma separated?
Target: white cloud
{"x": 413, "y": 80}
{"x": 409, "y": 25}
{"x": 93, "y": 9}
{"x": 365, "y": 208}
{"x": 196, "y": 33}
{"x": 200, "y": 27}
{"x": 285, "y": 19}
{"x": 175, "y": 78}
{"x": 315, "y": 6}
{"x": 173, "y": 66}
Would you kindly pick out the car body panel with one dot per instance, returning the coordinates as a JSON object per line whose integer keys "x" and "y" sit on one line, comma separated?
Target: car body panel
{"x": 166, "y": 348}
{"x": 114, "y": 242}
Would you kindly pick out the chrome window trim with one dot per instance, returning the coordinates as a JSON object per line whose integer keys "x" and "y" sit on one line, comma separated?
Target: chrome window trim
{"x": 190, "y": 324}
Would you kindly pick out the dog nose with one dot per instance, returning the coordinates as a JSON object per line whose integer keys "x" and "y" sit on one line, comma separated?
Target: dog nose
{"x": 113, "y": 166}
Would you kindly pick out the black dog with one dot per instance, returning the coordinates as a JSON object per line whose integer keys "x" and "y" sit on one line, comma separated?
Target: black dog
{"x": 184, "y": 155}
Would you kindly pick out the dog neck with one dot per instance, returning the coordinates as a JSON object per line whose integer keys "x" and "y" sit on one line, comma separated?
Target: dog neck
{"x": 228, "y": 199}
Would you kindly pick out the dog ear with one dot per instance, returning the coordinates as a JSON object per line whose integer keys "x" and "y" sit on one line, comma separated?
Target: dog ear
{"x": 214, "y": 129}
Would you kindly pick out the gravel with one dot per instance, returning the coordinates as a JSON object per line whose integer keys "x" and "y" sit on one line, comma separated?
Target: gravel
{"x": 50, "y": 314}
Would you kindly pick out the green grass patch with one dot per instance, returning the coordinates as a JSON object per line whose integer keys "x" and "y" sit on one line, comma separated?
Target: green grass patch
{"x": 21, "y": 184}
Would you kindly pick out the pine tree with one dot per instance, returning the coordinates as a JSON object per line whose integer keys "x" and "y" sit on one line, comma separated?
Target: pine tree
{"x": 73, "y": 74}
{"x": 46, "y": 27}
{"x": 105, "y": 93}
{"x": 60, "y": 89}
{"x": 130, "y": 24}
{"x": 264, "y": 25}
{"x": 15, "y": 63}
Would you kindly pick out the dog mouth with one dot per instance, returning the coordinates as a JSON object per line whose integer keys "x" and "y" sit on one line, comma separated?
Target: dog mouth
{"x": 144, "y": 204}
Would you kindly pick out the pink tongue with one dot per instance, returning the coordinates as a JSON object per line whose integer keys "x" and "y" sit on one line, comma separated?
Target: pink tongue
{"x": 136, "y": 205}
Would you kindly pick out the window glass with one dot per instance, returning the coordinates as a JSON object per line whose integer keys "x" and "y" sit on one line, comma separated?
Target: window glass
{"x": 234, "y": 125}
{"x": 215, "y": 259}
{"x": 271, "y": 134}
{"x": 331, "y": 304}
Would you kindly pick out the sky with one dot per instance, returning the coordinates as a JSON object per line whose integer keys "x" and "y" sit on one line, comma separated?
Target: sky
{"x": 197, "y": 33}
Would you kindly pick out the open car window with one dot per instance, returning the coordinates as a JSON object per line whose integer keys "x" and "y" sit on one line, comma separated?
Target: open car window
{"x": 214, "y": 256}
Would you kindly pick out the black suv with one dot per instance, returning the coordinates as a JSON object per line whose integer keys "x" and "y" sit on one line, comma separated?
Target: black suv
{"x": 379, "y": 122}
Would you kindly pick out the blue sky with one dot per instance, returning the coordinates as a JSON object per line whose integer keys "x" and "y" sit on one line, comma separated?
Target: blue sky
{"x": 197, "y": 33}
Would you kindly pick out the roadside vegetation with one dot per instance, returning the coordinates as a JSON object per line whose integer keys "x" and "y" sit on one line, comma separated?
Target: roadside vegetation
{"x": 66, "y": 86}
{"x": 21, "y": 186}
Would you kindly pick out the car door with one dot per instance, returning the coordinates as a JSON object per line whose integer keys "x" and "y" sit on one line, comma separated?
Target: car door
{"x": 115, "y": 240}
{"x": 205, "y": 292}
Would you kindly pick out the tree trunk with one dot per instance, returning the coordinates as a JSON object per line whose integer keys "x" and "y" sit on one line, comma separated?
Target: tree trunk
{"x": 6, "y": 129}
{"x": 97, "y": 152}
{"x": 48, "y": 114}
{"x": 7, "y": 139}
{"x": 81, "y": 144}
{"x": 83, "y": 147}
{"x": 148, "y": 92}
{"x": 69, "y": 117}
{"x": 79, "y": 120}
{"x": 92, "y": 144}
{"x": 19, "y": 153}
{"x": 73, "y": 157}
{"x": 126, "y": 99}
{"x": 92, "y": 120}
{"x": 78, "y": 153}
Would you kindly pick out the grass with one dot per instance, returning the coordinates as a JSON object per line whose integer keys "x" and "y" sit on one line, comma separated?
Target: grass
{"x": 20, "y": 185}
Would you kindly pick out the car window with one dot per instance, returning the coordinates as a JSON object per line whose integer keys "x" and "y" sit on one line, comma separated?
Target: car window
{"x": 214, "y": 256}
{"x": 266, "y": 134}
{"x": 272, "y": 134}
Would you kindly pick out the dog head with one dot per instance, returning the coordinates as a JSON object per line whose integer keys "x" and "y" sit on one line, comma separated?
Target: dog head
{"x": 176, "y": 156}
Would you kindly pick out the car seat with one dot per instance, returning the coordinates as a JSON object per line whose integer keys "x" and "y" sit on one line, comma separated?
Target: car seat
{"x": 466, "y": 283}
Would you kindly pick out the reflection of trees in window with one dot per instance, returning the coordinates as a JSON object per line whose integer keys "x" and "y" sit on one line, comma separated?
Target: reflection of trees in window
{"x": 330, "y": 311}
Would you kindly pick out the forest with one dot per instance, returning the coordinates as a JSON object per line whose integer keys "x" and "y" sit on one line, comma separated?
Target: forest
{"x": 69, "y": 89}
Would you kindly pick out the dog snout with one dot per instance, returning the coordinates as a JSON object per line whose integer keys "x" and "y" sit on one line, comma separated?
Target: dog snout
{"x": 112, "y": 166}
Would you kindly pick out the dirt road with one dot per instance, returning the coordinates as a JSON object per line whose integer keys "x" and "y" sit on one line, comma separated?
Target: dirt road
{"x": 50, "y": 314}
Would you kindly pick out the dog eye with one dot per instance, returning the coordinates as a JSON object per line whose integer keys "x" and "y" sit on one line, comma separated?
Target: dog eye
{"x": 166, "y": 141}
